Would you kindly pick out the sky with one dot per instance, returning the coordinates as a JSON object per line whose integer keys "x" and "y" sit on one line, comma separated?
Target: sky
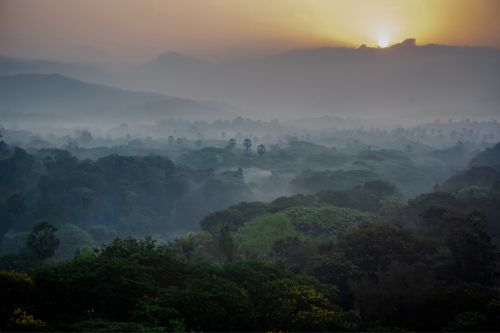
{"x": 128, "y": 31}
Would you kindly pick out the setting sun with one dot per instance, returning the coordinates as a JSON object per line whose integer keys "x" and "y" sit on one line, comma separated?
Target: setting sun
{"x": 383, "y": 42}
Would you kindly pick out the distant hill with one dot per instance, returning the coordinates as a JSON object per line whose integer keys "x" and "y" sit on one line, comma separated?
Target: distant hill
{"x": 402, "y": 83}
{"x": 54, "y": 96}
{"x": 14, "y": 66}
{"x": 490, "y": 158}
{"x": 404, "y": 80}
{"x": 177, "y": 61}
{"x": 483, "y": 176}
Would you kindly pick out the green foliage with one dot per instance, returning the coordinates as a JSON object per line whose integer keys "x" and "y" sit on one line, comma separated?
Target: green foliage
{"x": 473, "y": 194}
{"x": 108, "y": 284}
{"x": 71, "y": 240}
{"x": 380, "y": 189}
{"x": 42, "y": 241}
{"x": 396, "y": 297}
{"x": 233, "y": 216}
{"x": 313, "y": 181}
{"x": 15, "y": 204}
{"x": 208, "y": 157}
{"x": 196, "y": 246}
{"x": 325, "y": 222}
{"x": 434, "y": 199}
{"x": 212, "y": 304}
{"x": 282, "y": 203}
{"x": 256, "y": 238}
{"x": 103, "y": 325}
{"x": 489, "y": 158}
{"x": 16, "y": 289}
{"x": 25, "y": 322}
{"x": 226, "y": 244}
{"x": 291, "y": 306}
{"x": 372, "y": 247}
{"x": 356, "y": 198}
{"x": 137, "y": 285}
{"x": 352, "y": 257}
{"x": 472, "y": 250}
{"x": 381, "y": 155}
{"x": 334, "y": 268}
{"x": 125, "y": 195}
{"x": 252, "y": 275}
{"x": 217, "y": 192}
{"x": 476, "y": 176}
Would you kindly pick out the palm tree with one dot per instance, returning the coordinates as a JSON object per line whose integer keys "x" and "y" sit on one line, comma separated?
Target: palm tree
{"x": 247, "y": 144}
{"x": 42, "y": 240}
{"x": 231, "y": 144}
{"x": 16, "y": 205}
{"x": 261, "y": 149}
{"x": 87, "y": 196}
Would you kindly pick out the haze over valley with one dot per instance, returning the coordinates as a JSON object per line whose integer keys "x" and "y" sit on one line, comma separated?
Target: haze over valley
{"x": 401, "y": 84}
{"x": 246, "y": 166}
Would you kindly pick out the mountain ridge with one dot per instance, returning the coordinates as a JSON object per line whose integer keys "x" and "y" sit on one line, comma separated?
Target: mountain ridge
{"x": 58, "y": 95}
{"x": 402, "y": 80}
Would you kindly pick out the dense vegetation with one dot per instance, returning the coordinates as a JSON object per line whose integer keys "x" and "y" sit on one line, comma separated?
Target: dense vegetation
{"x": 350, "y": 248}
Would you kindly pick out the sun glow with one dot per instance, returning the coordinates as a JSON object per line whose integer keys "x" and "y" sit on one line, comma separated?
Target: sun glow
{"x": 383, "y": 42}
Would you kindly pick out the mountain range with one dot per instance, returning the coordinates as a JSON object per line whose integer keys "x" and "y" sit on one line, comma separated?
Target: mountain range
{"x": 404, "y": 81}
{"x": 56, "y": 97}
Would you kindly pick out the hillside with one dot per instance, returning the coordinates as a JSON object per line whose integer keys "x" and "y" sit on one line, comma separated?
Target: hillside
{"x": 49, "y": 96}
{"x": 404, "y": 80}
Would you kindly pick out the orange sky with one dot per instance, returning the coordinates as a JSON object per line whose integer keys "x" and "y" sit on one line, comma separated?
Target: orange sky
{"x": 138, "y": 30}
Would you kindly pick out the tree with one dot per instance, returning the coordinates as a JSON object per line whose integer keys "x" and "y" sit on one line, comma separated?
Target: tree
{"x": 247, "y": 144}
{"x": 42, "y": 241}
{"x": 226, "y": 244}
{"x": 335, "y": 269}
{"x": 261, "y": 149}
{"x": 15, "y": 292}
{"x": 257, "y": 237}
{"x": 292, "y": 306}
{"x": 85, "y": 137}
{"x": 72, "y": 240}
{"x": 373, "y": 246}
{"x": 233, "y": 216}
{"x": 16, "y": 205}
{"x": 10, "y": 212}
{"x": 293, "y": 254}
{"x": 472, "y": 249}
{"x": 380, "y": 188}
{"x": 87, "y": 196}
{"x": 212, "y": 304}
{"x": 397, "y": 297}
{"x": 231, "y": 144}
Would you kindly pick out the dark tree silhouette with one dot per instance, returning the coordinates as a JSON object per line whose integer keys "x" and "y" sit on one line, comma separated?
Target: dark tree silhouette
{"x": 247, "y": 144}
{"x": 16, "y": 205}
{"x": 42, "y": 241}
{"x": 231, "y": 144}
{"x": 226, "y": 244}
{"x": 261, "y": 149}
